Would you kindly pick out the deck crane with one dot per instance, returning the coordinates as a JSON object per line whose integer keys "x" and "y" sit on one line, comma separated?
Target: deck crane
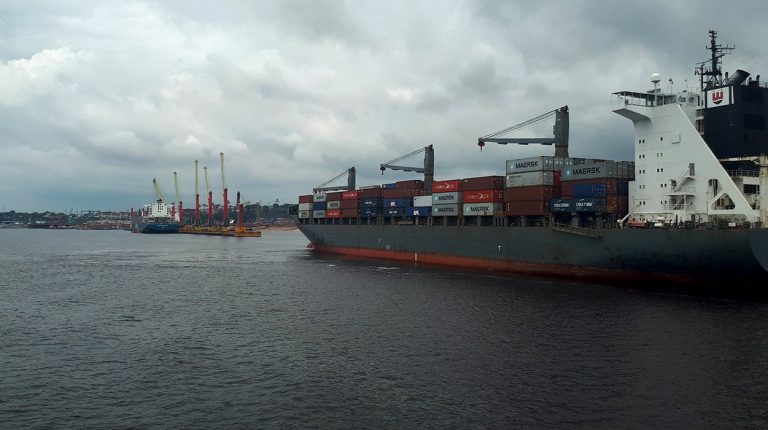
{"x": 178, "y": 196}
{"x": 224, "y": 219}
{"x": 350, "y": 182}
{"x": 560, "y": 131}
{"x": 158, "y": 192}
{"x": 428, "y": 170}
{"x": 210, "y": 196}
{"x": 197, "y": 197}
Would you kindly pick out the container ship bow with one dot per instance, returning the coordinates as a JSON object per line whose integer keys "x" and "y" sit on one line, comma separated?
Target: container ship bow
{"x": 692, "y": 205}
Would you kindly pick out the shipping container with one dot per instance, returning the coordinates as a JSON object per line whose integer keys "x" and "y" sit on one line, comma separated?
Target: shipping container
{"x": 306, "y": 198}
{"x": 410, "y": 185}
{"x": 418, "y": 211}
{"x": 393, "y": 212}
{"x": 370, "y": 203}
{"x": 333, "y": 204}
{"x": 318, "y": 214}
{"x": 370, "y": 212}
{"x": 543, "y": 193}
{"x": 319, "y": 206}
{"x": 527, "y": 208}
{"x": 561, "y": 205}
{"x": 305, "y": 214}
{"x": 389, "y": 186}
{"x": 394, "y": 193}
{"x": 483, "y": 196}
{"x": 602, "y": 187}
{"x": 334, "y": 196}
{"x": 446, "y": 210}
{"x": 483, "y": 209}
{"x": 446, "y": 198}
{"x": 320, "y": 197}
{"x": 350, "y": 195}
{"x": 367, "y": 193}
{"x": 350, "y": 213}
{"x": 422, "y": 201}
{"x": 589, "y": 205}
{"x": 402, "y": 202}
{"x": 449, "y": 186}
{"x": 530, "y": 179}
{"x": 350, "y": 204}
{"x": 482, "y": 183}
{"x": 305, "y": 206}
{"x": 333, "y": 213}
{"x": 589, "y": 190}
{"x": 532, "y": 164}
{"x": 604, "y": 169}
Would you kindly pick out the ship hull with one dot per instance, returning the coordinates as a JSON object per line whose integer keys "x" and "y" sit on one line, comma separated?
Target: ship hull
{"x": 157, "y": 228}
{"x": 617, "y": 254}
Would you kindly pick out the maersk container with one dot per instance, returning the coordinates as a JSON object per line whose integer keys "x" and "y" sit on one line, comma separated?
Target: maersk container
{"x": 319, "y": 206}
{"x": 333, "y": 204}
{"x": 532, "y": 164}
{"x": 530, "y": 179}
{"x": 370, "y": 203}
{"x": 482, "y": 183}
{"x": 418, "y": 211}
{"x": 561, "y": 205}
{"x": 422, "y": 201}
{"x": 449, "y": 186}
{"x": 482, "y": 209}
{"x": 318, "y": 197}
{"x": 446, "y": 210}
{"x": 446, "y": 198}
{"x": 393, "y": 212}
{"x": 589, "y": 205}
{"x": 305, "y": 206}
{"x": 605, "y": 169}
{"x": 483, "y": 196}
{"x": 402, "y": 202}
{"x": 318, "y": 214}
{"x": 305, "y": 214}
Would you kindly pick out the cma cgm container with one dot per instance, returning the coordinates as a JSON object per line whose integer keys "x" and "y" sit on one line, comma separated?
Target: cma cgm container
{"x": 446, "y": 210}
{"x": 483, "y": 196}
{"x": 419, "y": 211}
{"x": 561, "y": 205}
{"x": 482, "y": 209}
{"x": 450, "y": 186}
{"x": 422, "y": 201}
{"x": 589, "y": 205}
{"x": 446, "y": 198}
{"x": 350, "y": 195}
{"x": 483, "y": 183}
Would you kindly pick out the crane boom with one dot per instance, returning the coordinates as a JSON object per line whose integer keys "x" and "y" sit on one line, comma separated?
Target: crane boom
{"x": 158, "y": 192}
{"x": 428, "y": 169}
{"x": 560, "y": 131}
{"x": 176, "y": 184}
{"x": 351, "y": 172}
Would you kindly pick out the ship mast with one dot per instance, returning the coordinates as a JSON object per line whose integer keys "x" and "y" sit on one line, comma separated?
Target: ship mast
{"x": 714, "y": 73}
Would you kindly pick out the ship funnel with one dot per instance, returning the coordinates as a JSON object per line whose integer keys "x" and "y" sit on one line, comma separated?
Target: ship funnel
{"x": 737, "y": 78}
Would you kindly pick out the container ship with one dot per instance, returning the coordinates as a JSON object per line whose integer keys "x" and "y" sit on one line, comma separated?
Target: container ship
{"x": 691, "y": 206}
{"x": 157, "y": 217}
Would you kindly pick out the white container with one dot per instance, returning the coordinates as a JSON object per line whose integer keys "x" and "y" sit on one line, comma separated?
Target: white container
{"x": 446, "y": 210}
{"x": 318, "y": 214}
{"x": 422, "y": 201}
{"x": 482, "y": 209}
{"x": 333, "y": 204}
{"x": 446, "y": 198}
{"x": 529, "y": 179}
{"x": 305, "y": 214}
{"x": 305, "y": 207}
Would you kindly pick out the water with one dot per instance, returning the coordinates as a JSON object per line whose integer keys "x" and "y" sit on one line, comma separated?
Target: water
{"x": 106, "y": 329}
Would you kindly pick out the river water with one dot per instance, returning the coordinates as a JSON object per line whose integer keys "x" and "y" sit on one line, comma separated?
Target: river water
{"x": 109, "y": 329}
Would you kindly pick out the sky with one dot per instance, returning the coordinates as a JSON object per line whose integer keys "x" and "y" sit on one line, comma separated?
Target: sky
{"x": 99, "y": 98}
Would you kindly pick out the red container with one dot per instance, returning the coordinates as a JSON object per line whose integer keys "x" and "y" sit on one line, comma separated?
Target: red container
{"x": 349, "y": 213}
{"x": 539, "y": 192}
{"x": 526, "y": 207}
{"x": 333, "y": 197}
{"x": 333, "y": 213}
{"x": 369, "y": 193}
{"x": 447, "y": 186}
{"x": 305, "y": 199}
{"x": 396, "y": 193}
{"x": 349, "y": 204}
{"x": 483, "y": 196}
{"x": 410, "y": 185}
{"x": 483, "y": 183}
{"x": 350, "y": 195}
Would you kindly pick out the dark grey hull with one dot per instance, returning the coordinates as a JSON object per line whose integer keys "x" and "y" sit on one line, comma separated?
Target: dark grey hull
{"x": 695, "y": 254}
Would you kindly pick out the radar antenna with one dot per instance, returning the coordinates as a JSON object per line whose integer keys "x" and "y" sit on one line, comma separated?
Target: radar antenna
{"x": 713, "y": 72}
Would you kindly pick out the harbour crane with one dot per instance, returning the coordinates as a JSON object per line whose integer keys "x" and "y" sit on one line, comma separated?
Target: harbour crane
{"x": 210, "y": 196}
{"x": 560, "y": 131}
{"x": 350, "y": 182}
{"x": 178, "y": 196}
{"x": 158, "y": 192}
{"x": 428, "y": 170}
{"x": 224, "y": 220}
{"x": 197, "y": 197}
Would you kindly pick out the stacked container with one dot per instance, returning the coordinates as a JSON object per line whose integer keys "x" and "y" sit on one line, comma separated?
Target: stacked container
{"x": 531, "y": 183}
{"x": 369, "y": 201}
{"x": 483, "y": 196}
{"x": 350, "y": 204}
{"x": 597, "y": 187}
{"x": 422, "y": 206}
{"x": 447, "y": 197}
{"x": 318, "y": 205}
{"x": 305, "y": 206}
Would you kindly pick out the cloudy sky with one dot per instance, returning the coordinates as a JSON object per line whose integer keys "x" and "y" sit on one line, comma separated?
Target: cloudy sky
{"x": 97, "y": 98}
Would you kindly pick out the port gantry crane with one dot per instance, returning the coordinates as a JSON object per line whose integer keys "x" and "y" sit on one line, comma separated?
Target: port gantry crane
{"x": 560, "y": 131}
{"x": 428, "y": 170}
{"x": 350, "y": 182}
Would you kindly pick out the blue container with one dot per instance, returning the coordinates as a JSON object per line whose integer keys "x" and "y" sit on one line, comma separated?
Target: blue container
{"x": 389, "y": 186}
{"x": 402, "y": 202}
{"x": 420, "y": 211}
{"x": 370, "y": 203}
{"x": 589, "y": 190}
{"x": 561, "y": 205}
{"x": 589, "y": 205}
{"x": 369, "y": 212}
{"x": 394, "y": 212}
{"x": 622, "y": 188}
{"x": 318, "y": 206}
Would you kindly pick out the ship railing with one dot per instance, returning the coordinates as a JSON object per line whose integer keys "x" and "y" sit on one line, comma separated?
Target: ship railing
{"x": 743, "y": 173}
